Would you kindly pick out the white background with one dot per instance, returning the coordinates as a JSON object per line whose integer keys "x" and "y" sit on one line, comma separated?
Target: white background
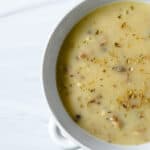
{"x": 25, "y": 27}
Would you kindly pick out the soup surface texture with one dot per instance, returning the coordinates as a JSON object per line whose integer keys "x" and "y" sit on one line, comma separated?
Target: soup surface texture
{"x": 103, "y": 73}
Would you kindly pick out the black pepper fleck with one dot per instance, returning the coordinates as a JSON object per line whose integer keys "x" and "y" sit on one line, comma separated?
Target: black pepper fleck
{"x": 104, "y": 70}
{"x": 119, "y": 17}
{"x": 127, "y": 12}
{"x": 77, "y": 118}
{"x": 97, "y": 32}
{"x": 65, "y": 69}
{"x": 98, "y": 103}
{"x": 124, "y": 106}
{"x": 117, "y": 44}
{"x": 132, "y": 7}
{"x": 124, "y": 24}
{"x": 71, "y": 75}
{"x": 92, "y": 90}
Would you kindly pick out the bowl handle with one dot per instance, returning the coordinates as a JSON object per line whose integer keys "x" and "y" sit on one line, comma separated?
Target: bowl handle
{"x": 59, "y": 137}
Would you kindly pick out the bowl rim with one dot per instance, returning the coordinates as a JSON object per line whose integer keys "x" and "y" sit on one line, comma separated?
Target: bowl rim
{"x": 74, "y": 132}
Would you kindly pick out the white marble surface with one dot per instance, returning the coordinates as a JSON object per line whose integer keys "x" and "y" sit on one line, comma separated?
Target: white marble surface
{"x": 25, "y": 27}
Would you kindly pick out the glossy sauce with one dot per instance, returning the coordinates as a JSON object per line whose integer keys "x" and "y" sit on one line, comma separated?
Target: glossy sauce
{"x": 103, "y": 73}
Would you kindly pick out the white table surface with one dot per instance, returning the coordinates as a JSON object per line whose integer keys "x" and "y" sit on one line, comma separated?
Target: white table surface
{"x": 25, "y": 26}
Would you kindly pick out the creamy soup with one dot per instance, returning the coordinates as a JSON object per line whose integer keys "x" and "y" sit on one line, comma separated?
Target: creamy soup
{"x": 103, "y": 73}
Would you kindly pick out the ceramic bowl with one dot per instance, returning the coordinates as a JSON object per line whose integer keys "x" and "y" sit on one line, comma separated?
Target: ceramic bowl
{"x": 71, "y": 130}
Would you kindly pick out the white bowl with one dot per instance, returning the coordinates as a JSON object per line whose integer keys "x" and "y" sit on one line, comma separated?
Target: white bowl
{"x": 73, "y": 131}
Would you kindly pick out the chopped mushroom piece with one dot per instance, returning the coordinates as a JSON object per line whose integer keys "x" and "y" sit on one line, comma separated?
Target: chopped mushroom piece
{"x": 119, "y": 68}
{"x": 116, "y": 122}
{"x": 82, "y": 55}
